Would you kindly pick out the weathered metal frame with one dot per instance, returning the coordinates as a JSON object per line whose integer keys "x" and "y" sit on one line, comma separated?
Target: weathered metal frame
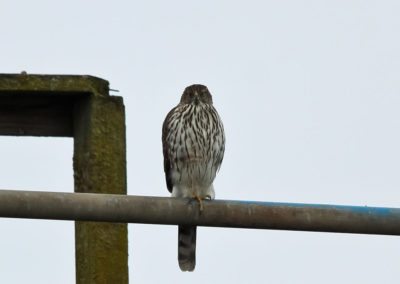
{"x": 216, "y": 213}
{"x": 78, "y": 107}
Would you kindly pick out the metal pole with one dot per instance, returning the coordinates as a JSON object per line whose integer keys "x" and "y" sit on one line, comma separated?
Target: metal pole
{"x": 100, "y": 167}
{"x": 78, "y": 107}
{"x": 216, "y": 213}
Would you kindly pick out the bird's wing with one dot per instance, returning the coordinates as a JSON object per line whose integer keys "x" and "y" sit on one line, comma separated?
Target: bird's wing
{"x": 166, "y": 152}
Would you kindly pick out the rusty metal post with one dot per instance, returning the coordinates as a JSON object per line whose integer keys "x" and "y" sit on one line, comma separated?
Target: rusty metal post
{"x": 79, "y": 107}
{"x": 100, "y": 167}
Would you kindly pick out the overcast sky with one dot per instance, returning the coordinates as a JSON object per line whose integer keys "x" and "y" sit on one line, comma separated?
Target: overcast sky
{"x": 309, "y": 93}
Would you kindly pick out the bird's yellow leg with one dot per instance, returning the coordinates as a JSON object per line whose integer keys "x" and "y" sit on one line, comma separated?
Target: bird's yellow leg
{"x": 198, "y": 198}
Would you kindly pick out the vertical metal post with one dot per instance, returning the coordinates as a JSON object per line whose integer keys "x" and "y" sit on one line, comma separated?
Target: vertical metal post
{"x": 100, "y": 167}
{"x": 79, "y": 107}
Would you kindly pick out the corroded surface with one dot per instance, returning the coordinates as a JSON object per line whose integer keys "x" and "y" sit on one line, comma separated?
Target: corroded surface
{"x": 100, "y": 167}
{"x": 42, "y": 105}
{"x": 32, "y": 115}
{"x": 80, "y": 107}
{"x": 53, "y": 84}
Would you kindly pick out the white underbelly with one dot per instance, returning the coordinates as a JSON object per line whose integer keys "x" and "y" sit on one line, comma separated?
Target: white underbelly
{"x": 193, "y": 179}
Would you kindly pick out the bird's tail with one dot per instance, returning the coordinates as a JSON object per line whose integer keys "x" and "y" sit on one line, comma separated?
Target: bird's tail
{"x": 187, "y": 247}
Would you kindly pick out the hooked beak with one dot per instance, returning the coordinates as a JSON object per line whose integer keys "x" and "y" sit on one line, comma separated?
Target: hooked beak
{"x": 196, "y": 99}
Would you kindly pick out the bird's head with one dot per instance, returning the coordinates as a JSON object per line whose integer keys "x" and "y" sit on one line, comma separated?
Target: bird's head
{"x": 196, "y": 94}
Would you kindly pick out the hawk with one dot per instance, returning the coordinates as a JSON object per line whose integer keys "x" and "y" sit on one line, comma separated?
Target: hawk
{"x": 193, "y": 146}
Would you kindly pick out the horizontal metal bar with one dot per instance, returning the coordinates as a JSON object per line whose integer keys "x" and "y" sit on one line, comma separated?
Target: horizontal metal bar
{"x": 216, "y": 213}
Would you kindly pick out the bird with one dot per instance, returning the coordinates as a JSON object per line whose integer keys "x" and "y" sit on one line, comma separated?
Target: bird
{"x": 193, "y": 142}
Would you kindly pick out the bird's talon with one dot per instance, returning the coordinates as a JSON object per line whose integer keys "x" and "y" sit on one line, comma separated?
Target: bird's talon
{"x": 200, "y": 202}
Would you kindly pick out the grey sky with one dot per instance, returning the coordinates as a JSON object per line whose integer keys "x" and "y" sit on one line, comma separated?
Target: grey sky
{"x": 309, "y": 93}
